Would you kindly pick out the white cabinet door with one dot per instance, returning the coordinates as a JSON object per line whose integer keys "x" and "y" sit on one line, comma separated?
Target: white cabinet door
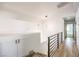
{"x": 20, "y": 48}
{"x": 8, "y": 48}
{"x": 12, "y": 48}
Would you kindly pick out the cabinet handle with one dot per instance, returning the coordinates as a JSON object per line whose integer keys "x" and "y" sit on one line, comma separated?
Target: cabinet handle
{"x": 18, "y": 40}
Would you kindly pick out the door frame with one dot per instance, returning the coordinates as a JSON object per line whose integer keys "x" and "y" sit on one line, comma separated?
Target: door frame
{"x": 74, "y": 27}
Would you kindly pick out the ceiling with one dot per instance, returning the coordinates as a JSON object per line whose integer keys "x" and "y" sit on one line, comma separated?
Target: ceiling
{"x": 34, "y": 10}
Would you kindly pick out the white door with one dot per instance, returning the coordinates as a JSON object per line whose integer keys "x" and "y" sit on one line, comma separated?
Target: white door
{"x": 8, "y": 48}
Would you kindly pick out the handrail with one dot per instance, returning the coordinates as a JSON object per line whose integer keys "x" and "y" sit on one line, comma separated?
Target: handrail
{"x": 56, "y": 41}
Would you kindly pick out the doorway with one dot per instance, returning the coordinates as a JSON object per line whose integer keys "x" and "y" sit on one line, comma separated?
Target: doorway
{"x": 70, "y": 29}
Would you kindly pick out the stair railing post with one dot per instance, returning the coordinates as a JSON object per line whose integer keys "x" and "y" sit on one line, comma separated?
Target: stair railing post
{"x": 58, "y": 41}
{"x": 61, "y": 36}
{"x": 48, "y": 46}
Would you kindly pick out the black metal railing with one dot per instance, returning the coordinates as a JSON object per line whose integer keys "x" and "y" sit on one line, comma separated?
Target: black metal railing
{"x": 54, "y": 42}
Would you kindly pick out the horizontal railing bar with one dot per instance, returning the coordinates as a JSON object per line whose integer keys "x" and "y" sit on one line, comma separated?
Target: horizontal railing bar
{"x": 53, "y": 38}
{"x": 53, "y": 47}
{"x": 53, "y": 53}
{"x": 52, "y": 35}
{"x": 52, "y": 43}
{"x": 55, "y": 34}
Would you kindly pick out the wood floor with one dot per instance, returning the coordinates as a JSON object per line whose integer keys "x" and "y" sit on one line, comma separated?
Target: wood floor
{"x": 60, "y": 51}
{"x": 67, "y": 49}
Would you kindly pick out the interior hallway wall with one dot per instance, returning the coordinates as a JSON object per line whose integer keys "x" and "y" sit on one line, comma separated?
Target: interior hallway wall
{"x": 77, "y": 27}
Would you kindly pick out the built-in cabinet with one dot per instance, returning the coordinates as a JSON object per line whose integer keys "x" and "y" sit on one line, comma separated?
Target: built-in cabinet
{"x": 12, "y": 48}
{"x": 8, "y": 48}
{"x": 19, "y": 45}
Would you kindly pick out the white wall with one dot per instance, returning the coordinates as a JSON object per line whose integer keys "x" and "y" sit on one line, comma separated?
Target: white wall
{"x": 12, "y": 28}
{"x": 8, "y": 24}
{"x": 77, "y": 27}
